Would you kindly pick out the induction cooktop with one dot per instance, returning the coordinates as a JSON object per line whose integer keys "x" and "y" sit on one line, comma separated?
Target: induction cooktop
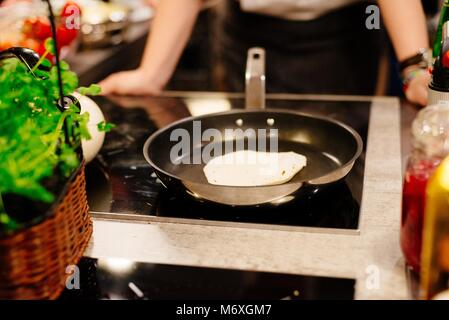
{"x": 118, "y": 279}
{"x": 121, "y": 183}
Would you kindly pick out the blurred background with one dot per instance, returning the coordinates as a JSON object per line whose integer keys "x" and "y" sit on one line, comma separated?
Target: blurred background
{"x": 112, "y": 34}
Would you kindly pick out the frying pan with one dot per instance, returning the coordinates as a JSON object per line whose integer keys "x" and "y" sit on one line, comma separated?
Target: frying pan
{"x": 330, "y": 146}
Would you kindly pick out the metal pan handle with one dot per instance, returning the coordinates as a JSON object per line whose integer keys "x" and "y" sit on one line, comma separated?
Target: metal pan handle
{"x": 255, "y": 79}
{"x": 27, "y": 56}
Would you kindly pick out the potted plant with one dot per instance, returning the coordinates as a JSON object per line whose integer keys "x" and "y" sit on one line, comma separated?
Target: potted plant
{"x": 44, "y": 220}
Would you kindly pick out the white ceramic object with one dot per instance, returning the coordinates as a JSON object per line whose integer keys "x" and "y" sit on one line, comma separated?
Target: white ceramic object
{"x": 91, "y": 147}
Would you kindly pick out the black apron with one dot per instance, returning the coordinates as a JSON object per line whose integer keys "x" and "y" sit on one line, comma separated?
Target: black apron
{"x": 333, "y": 54}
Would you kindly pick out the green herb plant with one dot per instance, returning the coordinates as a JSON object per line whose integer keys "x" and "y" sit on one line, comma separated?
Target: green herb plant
{"x": 33, "y": 143}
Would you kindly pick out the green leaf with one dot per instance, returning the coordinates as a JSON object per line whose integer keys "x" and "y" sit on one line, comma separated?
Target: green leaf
{"x": 33, "y": 146}
{"x": 41, "y": 74}
{"x": 50, "y": 46}
{"x": 92, "y": 90}
{"x": 105, "y": 126}
{"x": 83, "y": 120}
{"x": 70, "y": 81}
{"x": 64, "y": 65}
{"x": 8, "y": 222}
{"x": 46, "y": 63}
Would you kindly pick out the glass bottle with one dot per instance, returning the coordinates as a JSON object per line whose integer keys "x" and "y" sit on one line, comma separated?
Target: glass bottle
{"x": 444, "y": 17}
{"x": 435, "y": 251}
{"x": 430, "y": 145}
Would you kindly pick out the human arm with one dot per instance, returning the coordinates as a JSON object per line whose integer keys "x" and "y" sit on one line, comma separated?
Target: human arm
{"x": 406, "y": 24}
{"x": 170, "y": 31}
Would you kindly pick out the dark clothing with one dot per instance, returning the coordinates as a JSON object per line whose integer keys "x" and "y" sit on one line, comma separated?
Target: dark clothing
{"x": 333, "y": 54}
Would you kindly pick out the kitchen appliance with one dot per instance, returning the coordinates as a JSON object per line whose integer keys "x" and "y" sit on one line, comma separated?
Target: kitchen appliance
{"x": 330, "y": 146}
{"x": 121, "y": 184}
{"x": 118, "y": 279}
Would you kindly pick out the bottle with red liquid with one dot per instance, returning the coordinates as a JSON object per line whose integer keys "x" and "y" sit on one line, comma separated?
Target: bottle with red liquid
{"x": 430, "y": 146}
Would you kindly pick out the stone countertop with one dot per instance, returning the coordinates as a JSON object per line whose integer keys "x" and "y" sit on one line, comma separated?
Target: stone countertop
{"x": 370, "y": 255}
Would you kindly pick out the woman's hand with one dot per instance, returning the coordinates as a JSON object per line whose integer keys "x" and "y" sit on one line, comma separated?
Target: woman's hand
{"x": 170, "y": 30}
{"x": 131, "y": 83}
{"x": 417, "y": 89}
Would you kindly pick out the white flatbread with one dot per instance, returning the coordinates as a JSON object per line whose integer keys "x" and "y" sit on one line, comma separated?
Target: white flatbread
{"x": 252, "y": 168}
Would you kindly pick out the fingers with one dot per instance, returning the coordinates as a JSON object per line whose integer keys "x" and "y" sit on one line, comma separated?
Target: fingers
{"x": 109, "y": 85}
{"x": 130, "y": 83}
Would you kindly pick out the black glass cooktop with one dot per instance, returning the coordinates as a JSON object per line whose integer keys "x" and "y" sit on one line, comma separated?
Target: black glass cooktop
{"x": 121, "y": 182}
{"x": 119, "y": 279}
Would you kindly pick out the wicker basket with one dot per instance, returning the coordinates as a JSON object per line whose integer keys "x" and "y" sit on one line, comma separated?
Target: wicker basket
{"x": 33, "y": 261}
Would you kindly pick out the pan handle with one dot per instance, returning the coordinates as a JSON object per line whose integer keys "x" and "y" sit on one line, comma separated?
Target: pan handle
{"x": 27, "y": 56}
{"x": 255, "y": 79}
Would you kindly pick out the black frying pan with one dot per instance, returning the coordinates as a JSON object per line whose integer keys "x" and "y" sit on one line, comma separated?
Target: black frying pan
{"x": 331, "y": 148}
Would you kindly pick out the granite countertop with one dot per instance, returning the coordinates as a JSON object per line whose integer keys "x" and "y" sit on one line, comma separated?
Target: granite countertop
{"x": 371, "y": 255}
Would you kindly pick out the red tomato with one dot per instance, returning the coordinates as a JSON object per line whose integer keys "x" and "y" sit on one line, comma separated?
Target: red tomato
{"x": 38, "y": 28}
{"x": 65, "y": 36}
{"x": 42, "y": 29}
{"x": 41, "y": 50}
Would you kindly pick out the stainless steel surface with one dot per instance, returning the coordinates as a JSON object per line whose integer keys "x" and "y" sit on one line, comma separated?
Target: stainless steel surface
{"x": 255, "y": 79}
{"x": 135, "y": 218}
{"x": 105, "y": 34}
{"x": 332, "y": 154}
{"x": 104, "y": 24}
